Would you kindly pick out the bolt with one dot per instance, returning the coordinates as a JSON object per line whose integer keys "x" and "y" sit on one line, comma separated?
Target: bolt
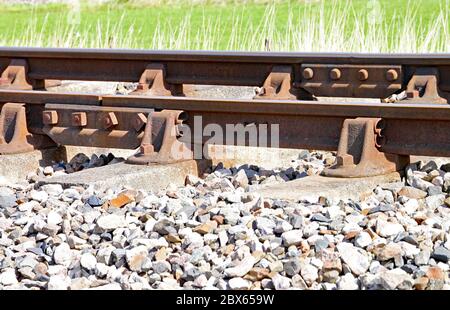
{"x": 50, "y": 117}
{"x": 109, "y": 120}
{"x": 412, "y": 94}
{"x": 308, "y": 73}
{"x": 139, "y": 121}
{"x": 79, "y": 119}
{"x": 335, "y": 74}
{"x": 146, "y": 149}
{"x": 391, "y": 75}
{"x": 344, "y": 160}
{"x": 363, "y": 74}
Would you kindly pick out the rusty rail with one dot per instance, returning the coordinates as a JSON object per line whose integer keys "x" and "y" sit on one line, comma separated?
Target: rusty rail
{"x": 413, "y": 117}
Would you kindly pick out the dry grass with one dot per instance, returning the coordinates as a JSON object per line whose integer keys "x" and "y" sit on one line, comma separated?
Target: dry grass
{"x": 337, "y": 29}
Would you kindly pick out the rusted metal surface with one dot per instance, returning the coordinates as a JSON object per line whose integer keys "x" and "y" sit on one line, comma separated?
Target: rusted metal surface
{"x": 93, "y": 126}
{"x": 408, "y": 126}
{"x": 385, "y": 73}
{"x": 370, "y": 138}
{"x": 15, "y": 75}
{"x": 160, "y": 143}
{"x": 14, "y": 135}
{"x": 369, "y": 81}
{"x": 153, "y": 82}
{"x": 359, "y": 152}
{"x": 278, "y": 84}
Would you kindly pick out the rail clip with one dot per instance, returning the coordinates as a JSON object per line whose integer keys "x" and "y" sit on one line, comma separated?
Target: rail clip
{"x": 14, "y": 135}
{"x": 160, "y": 144}
{"x": 358, "y": 154}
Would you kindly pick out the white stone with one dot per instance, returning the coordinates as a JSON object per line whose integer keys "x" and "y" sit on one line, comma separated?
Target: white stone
{"x": 58, "y": 282}
{"x": 391, "y": 279}
{"x": 63, "y": 254}
{"x": 201, "y": 281}
{"x": 193, "y": 240}
{"x": 223, "y": 238}
{"x": 53, "y": 218}
{"x": 101, "y": 270}
{"x": 150, "y": 224}
{"x": 409, "y": 250}
{"x": 309, "y": 273}
{"x": 48, "y": 170}
{"x": 265, "y": 225}
{"x": 420, "y": 184}
{"x": 354, "y": 257}
{"x": 363, "y": 239}
{"x": 8, "y": 277}
{"x": 241, "y": 268}
{"x": 88, "y": 261}
{"x": 435, "y": 201}
{"x": 52, "y": 189}
{"x": 239, "y": 284}
{"x": 292, "y": 237}
{"x": 40, "y": 196}
{"x": 347, "y": 282}
{"x": 110, "y": 222}
{"x": 280, "y": 282}
{"x": 387, "y": 229}
{"x": 410, "y": 206}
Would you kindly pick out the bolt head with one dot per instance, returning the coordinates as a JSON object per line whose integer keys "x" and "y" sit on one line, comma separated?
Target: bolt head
{"x": 50, "y": 117}
{"x": 363, "y": 75}
{"x": 344, "y": 160}
{"x": 146, "y": 149}
{"x": 335, "y": 74}
{"x": 308, "y": 73}
{"x": 79, "y": 119}
{"x": 412, "y": 94}
{"x": 391, "y": 75}
{"x": 139, "y": 121}
{"x": 109, "y": 120}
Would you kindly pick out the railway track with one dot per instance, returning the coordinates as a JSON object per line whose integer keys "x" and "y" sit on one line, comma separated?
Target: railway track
{"x": 166, "y": 124}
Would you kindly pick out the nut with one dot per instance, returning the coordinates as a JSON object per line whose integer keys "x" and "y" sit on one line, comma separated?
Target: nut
{"x": 146, "y": 149}
{"x": 79, "y": 119}
{"x": 109, "y": 120}
{"x": 412, "y": 94}
{"x": 139, "y": 121}
{"x": 50, "y": 117}
{"x": 308, "y": 73}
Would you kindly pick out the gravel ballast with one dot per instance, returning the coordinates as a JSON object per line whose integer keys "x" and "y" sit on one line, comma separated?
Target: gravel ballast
{"x": 214, "y": 233}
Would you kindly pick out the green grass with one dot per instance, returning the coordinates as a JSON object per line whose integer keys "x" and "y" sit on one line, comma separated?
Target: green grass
{"x": 329, "y": 25}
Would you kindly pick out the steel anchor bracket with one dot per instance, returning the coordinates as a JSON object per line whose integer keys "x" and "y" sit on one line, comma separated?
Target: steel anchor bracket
{"x": 153, "y": 82}
{"x": 278, "y": 84}
{"x": 16, "y": 77}
{"x": 14, "y": 135}
{"x": 358, "y": 154}
{"x": 160, "y": 144}
{"x": 423, "y": 86}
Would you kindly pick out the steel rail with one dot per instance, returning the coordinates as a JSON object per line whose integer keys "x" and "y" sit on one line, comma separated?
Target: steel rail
{"x": 216, "y": 56}
{"x": 229, "y": 68}
{"x": 370, "y": 138}
{"x": 410, "y": 111}
{"x": 411, "y": 129}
